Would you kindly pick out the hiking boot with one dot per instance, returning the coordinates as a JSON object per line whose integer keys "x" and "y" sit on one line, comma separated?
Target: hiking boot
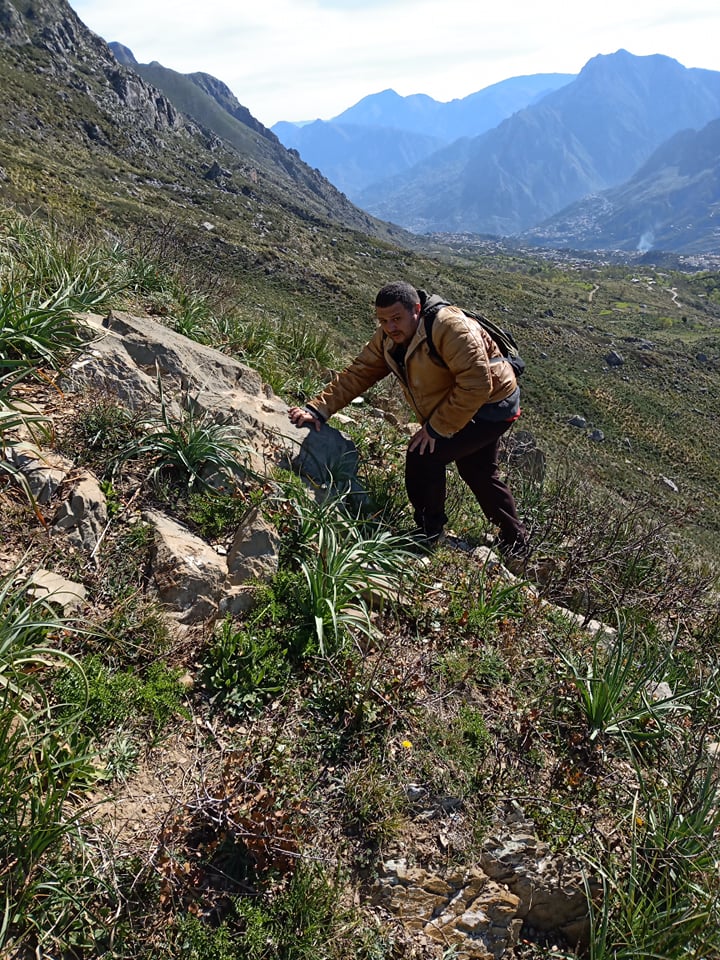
{"x": 423, "y": 542}
{"x": 515, "y": 556}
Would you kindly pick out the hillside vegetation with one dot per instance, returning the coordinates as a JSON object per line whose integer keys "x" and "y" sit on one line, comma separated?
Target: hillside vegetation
{"x": 237, "y": 790}
{"x": 234, "y": 791}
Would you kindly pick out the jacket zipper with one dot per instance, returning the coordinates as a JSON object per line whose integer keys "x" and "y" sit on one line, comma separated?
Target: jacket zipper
{"x": 399, "y": 371}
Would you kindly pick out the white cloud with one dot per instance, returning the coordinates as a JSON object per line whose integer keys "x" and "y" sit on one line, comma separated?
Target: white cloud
{"x": 300, "y": 59}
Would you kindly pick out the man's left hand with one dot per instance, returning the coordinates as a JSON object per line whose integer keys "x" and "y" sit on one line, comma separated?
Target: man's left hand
{"x": 422, "y": 441}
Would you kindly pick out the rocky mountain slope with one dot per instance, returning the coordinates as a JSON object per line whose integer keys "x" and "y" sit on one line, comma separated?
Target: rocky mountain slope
{"x": 239, "y": 719}
{"x": 220, "y": 93}
{"x": 266, "y": 719}
{"x": 105, "y": 152}
{"x": 89, "y": 133}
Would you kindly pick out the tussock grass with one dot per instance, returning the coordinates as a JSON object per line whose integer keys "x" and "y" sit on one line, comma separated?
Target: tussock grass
{"x": 369, "y": 693}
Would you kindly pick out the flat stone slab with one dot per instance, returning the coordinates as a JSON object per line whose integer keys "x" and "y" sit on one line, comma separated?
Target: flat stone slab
{"x": 51, "y": 587}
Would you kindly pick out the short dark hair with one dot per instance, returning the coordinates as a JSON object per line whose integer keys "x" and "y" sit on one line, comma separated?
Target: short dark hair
{"x": 398, "y": 291}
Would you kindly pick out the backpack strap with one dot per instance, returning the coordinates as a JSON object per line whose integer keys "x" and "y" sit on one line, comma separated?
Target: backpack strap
{"x": 429, "y": 310}
{"x": 505, "y": 342}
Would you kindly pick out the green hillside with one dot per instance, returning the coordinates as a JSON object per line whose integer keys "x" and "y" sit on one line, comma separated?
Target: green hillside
{"x": 382, "y": 740}
{"x": 243, "y": 785}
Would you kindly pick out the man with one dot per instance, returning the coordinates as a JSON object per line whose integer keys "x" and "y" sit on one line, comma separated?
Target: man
{"x": 464, "y": 394}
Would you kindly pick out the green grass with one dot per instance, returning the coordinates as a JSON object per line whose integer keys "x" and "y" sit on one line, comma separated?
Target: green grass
{"x": 310, "y": 716}
{"x": 47, "y": 765}
{"x": 615, "y": 689}
{"x": 457, "y": 688}
{"x": 301, "y": 922}
{"x": 110, "y": 698}
{"x": 192, "y": 449}
{"x": 244, "y": 669}
{"x": 659, "y": 899}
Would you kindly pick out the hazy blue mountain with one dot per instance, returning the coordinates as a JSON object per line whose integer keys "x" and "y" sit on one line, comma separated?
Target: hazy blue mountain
{"x": 416, "y": 113}
{"x": 385, "y": 134}
{"x": 592, "y": 134}
{"x": 671, "y": 203}
{"x": 351, "y": 157}
{"x": 464, "y": 117}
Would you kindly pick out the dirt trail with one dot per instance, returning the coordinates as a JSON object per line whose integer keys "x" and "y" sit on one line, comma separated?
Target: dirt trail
{"x": 674, "y": 294}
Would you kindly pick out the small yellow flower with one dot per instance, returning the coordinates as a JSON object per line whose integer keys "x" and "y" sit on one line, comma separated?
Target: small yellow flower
{"x": 406, "y": 744}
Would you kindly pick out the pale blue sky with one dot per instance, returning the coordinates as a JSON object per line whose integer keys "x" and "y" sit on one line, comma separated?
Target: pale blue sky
{"x": 302, "y": 59}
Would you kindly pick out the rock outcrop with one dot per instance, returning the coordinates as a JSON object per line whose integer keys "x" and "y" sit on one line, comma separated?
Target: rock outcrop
{"x": 54, "y": 27}
{"x": 144, "y": 363}
{"x": 148, "y": 367}
{"x": 480, "y": 912}
{"x": 464, "y": 911}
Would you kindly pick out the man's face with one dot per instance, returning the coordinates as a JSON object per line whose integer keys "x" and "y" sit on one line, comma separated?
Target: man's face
{"x": 399, "y": 322}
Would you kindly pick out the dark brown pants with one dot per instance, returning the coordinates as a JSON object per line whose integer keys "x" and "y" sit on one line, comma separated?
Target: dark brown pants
{"x": 475, "y": 451}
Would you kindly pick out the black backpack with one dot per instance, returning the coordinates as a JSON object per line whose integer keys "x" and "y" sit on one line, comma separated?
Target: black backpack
{"x": 505, "y": 341}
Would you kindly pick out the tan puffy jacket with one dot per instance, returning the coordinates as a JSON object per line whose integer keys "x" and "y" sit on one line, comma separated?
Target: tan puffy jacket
{"x": 445, "y": 397}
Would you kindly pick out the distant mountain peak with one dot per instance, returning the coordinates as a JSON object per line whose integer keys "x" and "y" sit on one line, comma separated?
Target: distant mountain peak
{"x": 623, "y": 59}
{"x": 123, "y": 54}
{"x": 385, "y": 134}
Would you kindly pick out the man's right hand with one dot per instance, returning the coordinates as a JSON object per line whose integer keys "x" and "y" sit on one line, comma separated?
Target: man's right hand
{"x": 303, "y": 418}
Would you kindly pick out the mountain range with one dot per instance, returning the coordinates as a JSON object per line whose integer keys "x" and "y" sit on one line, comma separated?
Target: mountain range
{"x": 622, "y": 155}
{"x": 548, "y": 159}
{"x": 591, "y": 135}
{"x": 385, "y": 134}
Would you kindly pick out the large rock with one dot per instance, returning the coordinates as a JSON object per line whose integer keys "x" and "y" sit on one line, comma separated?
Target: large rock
{"x": 130, "y": 356}
{"x": 327, "y": 458}
{"x": 83, "y": 515}
{"x": 197, "y": 584}
{"x": 189, "y": 575}
{"x": 44, "y": 471}
{"x": 525, "y": 455}
{"x": 255, "y": 550}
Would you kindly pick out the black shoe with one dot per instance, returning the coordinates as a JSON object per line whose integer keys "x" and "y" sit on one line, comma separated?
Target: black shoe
{"x": 515, "y": 556}
{"x": 424, "y": 542}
